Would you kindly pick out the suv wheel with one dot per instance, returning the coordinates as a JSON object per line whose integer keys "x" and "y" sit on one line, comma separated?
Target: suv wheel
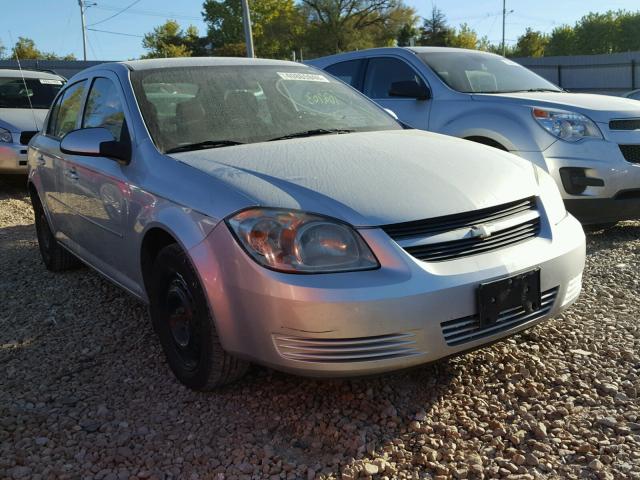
{"x": 181, "y": 316}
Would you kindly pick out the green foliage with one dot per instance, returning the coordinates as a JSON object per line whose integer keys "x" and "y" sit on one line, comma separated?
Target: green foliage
{"x": 465, "y": 38}
{"x": 25, "y": 49}
{"x": 277, "y": 27}
{"x": 170, "y": 40}
{"x": 562, "y": 41}
{"x": 435, "y": 31}
{"x": 531, "y": 44}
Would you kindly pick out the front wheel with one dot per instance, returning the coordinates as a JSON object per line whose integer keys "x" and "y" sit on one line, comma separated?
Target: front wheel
{"x": 181, "y": 316}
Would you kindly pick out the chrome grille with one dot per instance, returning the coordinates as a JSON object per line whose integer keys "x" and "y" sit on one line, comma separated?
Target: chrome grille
{"x": 627, "y": 124}
{"x": 631, "y": 153}
{"x": 467, "y": 329}
{"x": 520, "y": 221}
{"x": 362, "y": 349}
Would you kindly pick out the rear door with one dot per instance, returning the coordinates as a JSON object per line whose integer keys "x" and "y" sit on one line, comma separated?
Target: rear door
{"x": 380, "y": 73}
{"x": 64, "y": 117}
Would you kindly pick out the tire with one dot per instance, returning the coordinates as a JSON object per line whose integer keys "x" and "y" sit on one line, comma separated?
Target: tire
{"x": 185, "y": 325}
{"x": 54, "y": 256}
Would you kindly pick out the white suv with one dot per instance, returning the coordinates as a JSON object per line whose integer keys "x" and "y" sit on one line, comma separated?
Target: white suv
{"x": 25, "y": 98}
{"x": 589, "y": 143}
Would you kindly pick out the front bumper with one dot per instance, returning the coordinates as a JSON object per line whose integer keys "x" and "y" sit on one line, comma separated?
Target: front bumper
{"x": 617, "y": 195}
{"x": 13, "y": 158}
{"x": 372, "y": 321}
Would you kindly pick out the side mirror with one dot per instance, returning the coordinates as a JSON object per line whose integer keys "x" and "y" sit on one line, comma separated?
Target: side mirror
{"x": 96, "y": 142}
{"x": 409, "y": 89}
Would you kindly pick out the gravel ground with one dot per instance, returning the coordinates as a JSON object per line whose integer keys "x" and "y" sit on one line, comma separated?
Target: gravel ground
{"x": 86, "y": 393}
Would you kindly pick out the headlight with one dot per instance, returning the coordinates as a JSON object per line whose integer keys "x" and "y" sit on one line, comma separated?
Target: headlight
{"x": 5, "y": 136}
{"x": 569, "y": 126}
{"x": 298, "y": 242}
{"x": 551, "y": 198}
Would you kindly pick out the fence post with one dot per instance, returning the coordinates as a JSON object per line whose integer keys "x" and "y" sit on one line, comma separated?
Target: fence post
{"x": 559, "y": 75}
{"x": 633, "y": 74}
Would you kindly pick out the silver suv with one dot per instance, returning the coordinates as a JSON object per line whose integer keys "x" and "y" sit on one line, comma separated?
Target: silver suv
{"x": 25, "y": 98}
{"x": 589, "y": 143}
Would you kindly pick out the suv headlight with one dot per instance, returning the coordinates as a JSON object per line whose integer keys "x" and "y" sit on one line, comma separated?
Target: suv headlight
{"x": 5, "y": 136}
{"x": 569, "y": 126}
{"x": 297, "y": 242}
{"x": 551, "y": 198}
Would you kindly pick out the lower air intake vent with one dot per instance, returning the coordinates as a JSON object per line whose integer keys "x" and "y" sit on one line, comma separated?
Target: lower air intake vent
{"x": 363, "y": 349}
{"x": 25, "y": 137}
{"x": 467, "y": 329}
{"x": 631, "y": 153}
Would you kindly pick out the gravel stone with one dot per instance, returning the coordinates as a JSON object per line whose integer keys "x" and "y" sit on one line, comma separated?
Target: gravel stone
{"x": 85, "y": 392}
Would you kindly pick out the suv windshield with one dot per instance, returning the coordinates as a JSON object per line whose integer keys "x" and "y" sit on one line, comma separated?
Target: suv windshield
{"x": 16, "y": 92}
{"x": 471, "y": 72}
{"x": 224, "y": 105}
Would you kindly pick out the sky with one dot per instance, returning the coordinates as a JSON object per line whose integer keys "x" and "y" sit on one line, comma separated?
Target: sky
{"x": 54, "y": 25}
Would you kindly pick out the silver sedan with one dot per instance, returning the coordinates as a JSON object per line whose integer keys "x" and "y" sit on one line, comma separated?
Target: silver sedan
{"x": 268, "y": 213}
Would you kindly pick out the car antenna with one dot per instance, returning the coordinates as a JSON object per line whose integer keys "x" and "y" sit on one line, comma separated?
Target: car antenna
{"x": 24, "y": 82}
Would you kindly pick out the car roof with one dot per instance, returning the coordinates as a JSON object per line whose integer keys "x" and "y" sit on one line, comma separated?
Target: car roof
{"x": 11, "y": 73}
{"x": 153, "y": 63}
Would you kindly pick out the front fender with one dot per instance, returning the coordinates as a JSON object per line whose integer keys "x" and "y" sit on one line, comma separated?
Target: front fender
{"x": 516, "y": 131}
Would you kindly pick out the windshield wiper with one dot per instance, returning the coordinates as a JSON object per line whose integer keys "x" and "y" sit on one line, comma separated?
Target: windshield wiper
{"x": 312, "y": 133}
{"x": 522, "y": 91}
{"x": 203, "y": 145}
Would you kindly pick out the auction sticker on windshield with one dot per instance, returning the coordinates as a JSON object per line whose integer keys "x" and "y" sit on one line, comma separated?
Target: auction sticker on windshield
{"x": 46, "y": 81}
{"x": 304, "y": 77}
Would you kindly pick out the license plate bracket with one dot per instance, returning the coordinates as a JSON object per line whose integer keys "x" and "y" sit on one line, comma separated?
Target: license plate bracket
{"x": 521, "y": 290}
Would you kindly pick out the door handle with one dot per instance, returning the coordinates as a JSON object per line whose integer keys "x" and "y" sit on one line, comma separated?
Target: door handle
{"x": 40, "y": 160}
{"x": 72, "y": 174}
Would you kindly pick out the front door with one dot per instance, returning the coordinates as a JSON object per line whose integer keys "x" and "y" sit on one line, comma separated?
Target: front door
{"x": 381, "y": 73}
{"x": 98, "y": 186}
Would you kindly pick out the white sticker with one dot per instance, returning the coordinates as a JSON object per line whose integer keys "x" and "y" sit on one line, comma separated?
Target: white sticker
{"x": 46, "y": 81}
{"x": 303, "y": 77}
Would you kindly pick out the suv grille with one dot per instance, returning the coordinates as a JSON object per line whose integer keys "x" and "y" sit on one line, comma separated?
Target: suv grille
{"x": 631, "y": 124}
{"x": 518, "y": 227}
{"x": 467, "y": 329}
{"x": 631, "y": 153}
{"x": 26, "y": 136}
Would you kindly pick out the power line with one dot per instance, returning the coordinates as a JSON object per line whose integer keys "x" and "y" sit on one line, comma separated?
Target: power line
{"x": 115, "y": 33}
{"x": 150, "y": 13}
{"x": 116, "y": 14}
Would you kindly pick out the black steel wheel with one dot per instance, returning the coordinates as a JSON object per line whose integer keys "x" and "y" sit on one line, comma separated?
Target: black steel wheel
{"x": 181, "y": 316}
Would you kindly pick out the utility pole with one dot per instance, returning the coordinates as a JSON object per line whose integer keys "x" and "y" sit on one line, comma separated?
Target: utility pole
{"x": 84, "y": 30}
{"x": 246, "y": 19}
{"x": 504, "y": 18}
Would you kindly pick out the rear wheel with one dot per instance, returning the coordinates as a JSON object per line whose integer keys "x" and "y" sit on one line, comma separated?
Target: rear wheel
{"x": 186, "y": 328}
{"x": 55, "y": 257}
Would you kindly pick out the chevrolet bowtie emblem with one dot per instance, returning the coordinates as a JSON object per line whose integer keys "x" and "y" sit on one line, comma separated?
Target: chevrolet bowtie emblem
{"x": 480, "y": 231}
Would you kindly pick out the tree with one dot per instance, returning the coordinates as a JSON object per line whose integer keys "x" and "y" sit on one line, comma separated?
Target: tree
{"x": 562, "y": 41}
{"x": 339, "y": 25}
{"x": 3, "y": 50}
{"x": 598, "y": 33}
{"x": 531, "y": 44}
{"x": 406, "y": 34}
{"x": 169, "y": 40}
{"x": 25, "y": 49}
{"x": 464, "y": 38}
{"x": 277, "y": 27}
{"x": 435, "y": 30}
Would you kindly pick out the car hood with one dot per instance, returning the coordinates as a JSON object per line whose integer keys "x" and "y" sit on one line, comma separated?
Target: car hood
{"x": 371, "y": 178}
{"x": 22, "y": 119}
{"x": 600, "y": 108}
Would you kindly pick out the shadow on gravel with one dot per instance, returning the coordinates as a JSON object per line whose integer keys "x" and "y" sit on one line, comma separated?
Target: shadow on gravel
{"x": 623, "y": 232}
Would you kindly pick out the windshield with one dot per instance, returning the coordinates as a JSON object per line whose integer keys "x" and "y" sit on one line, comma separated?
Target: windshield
{"x": 471, "y": 72}
{"x": 248, "y": 104}
{"x": 41, "y": 92}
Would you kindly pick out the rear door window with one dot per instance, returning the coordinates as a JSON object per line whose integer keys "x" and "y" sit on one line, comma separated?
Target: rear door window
{"x": 349, "y": 72}
{"x": 66, "y": 118}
